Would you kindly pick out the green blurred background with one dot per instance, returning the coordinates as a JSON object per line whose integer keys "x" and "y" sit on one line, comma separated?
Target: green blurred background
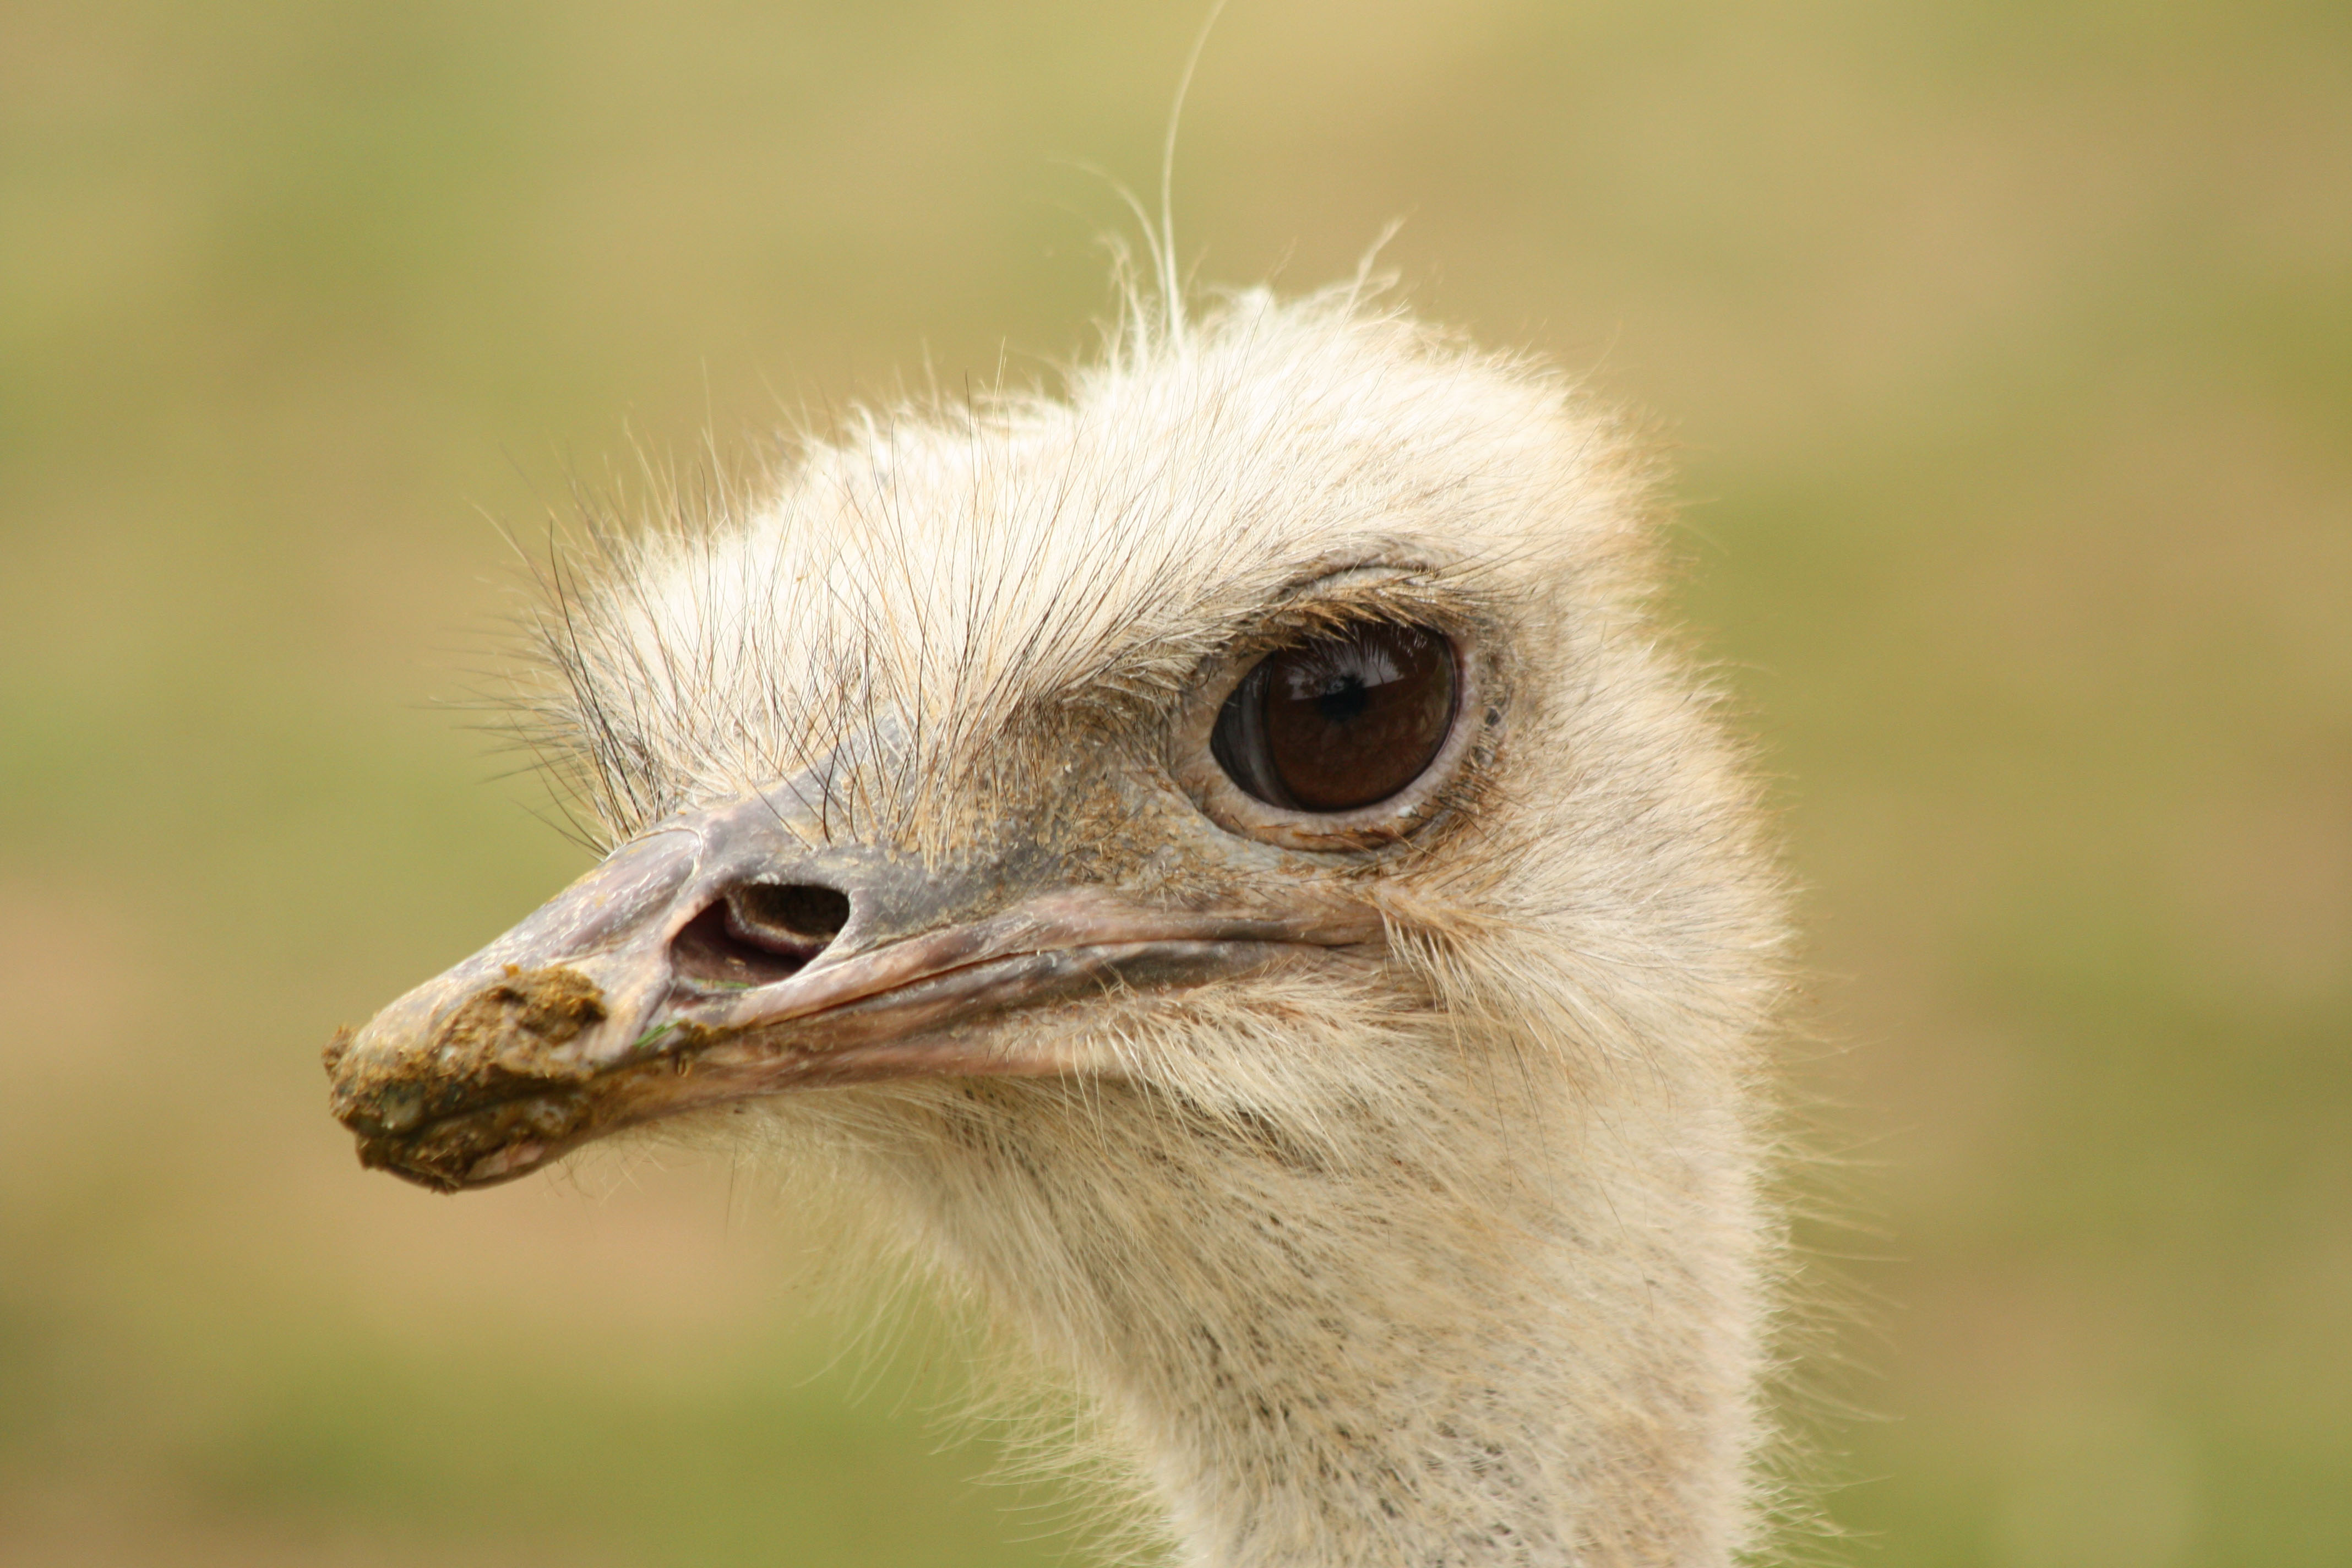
{"x": 2009, "y": 347}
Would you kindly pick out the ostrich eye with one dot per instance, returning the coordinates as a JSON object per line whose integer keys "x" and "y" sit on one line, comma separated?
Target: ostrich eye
{"x": 1340, "y": 722}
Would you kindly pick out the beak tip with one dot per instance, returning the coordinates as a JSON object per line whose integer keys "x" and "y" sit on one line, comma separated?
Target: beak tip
{"x": 383, "y": 1155}
{"x": 451, "y": 1169}
{"x": 422, "y": 1060}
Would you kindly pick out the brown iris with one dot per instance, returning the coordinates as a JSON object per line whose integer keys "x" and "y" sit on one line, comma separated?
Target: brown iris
{"x": 1339, "y": 721}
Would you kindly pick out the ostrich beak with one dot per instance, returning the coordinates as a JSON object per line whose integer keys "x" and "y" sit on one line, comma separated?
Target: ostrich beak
{"x": 651, "y": 987}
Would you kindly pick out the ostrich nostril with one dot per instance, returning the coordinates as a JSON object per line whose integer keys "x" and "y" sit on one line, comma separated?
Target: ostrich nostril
{"x": 758, "y": 932}
{"x": 797, "y": 915}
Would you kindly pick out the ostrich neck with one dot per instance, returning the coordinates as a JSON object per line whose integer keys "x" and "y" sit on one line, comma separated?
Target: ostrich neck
{"x": 1487, "y": 1344}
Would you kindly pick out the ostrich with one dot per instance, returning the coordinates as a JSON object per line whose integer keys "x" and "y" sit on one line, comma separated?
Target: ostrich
{"x": 1228, "y": 859}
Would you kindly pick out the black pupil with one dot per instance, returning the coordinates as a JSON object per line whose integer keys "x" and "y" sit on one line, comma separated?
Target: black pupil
{"x": 1347, "y": 699}
{"x": 1340, "y": 722}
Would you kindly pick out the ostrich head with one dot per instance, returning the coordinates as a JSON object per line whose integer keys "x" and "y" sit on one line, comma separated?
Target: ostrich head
{"x": 1229, "y": 859}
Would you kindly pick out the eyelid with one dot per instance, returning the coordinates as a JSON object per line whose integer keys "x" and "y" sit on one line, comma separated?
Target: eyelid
{"x": 1331, "y": 595}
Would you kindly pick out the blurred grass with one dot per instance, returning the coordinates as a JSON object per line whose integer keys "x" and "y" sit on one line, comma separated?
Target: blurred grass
{"x": 2010, "y": 348}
